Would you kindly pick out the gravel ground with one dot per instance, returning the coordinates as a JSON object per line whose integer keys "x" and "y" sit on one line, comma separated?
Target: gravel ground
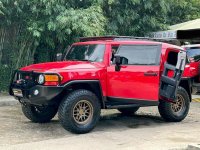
{"x": 6, "y": 100}
{"x": 145, "y": 130}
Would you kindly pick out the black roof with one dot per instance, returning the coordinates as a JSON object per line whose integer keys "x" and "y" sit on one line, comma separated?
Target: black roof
{"x": 112, "y": 37}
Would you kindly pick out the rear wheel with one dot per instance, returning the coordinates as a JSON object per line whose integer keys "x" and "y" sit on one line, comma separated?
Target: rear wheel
{"x": 79, "y": 112}
{"x": 39, "y": 114}
{"x": 175, "y": 112}
{"x": 128, "y": 111}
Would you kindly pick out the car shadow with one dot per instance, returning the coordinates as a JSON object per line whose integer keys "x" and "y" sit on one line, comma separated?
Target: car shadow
{"x": 118, "y": 120}
{"x": 114, "y": 121}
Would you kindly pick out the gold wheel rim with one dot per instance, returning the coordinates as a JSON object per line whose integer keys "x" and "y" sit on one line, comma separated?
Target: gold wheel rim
{"x": 179, "y": 105}
{"x": 83, "y": 112}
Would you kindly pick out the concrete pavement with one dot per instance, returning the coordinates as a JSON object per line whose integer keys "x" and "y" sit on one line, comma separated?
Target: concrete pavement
{"x": 145, "y": 130}
{"x": 6, "y": 100}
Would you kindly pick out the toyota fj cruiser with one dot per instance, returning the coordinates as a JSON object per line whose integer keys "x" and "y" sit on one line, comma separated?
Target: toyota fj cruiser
{"x": 110, "y": 72}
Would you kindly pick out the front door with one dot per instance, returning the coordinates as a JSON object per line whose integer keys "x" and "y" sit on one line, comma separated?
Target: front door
{"x": 138, "y": 78}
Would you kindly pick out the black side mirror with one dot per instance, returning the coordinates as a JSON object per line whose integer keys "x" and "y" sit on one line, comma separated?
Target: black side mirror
{"x": 58, "y": 56}
{"x": 118, "y": 62}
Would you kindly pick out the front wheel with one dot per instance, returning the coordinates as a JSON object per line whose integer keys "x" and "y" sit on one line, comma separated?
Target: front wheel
{"x": 175, "y": 112}
{"x": 39, "y": 114}
{"x": 79, "y": 112}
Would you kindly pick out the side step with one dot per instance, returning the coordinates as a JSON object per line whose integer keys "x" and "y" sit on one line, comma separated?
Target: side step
{"x": 114, "y": 103}
{"x": 108, "y": 106}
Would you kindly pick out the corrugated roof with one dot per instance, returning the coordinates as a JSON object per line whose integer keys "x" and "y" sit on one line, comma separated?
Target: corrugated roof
{"x": 189, "y": 25}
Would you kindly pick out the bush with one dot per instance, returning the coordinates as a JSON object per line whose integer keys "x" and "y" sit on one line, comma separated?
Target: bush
{"x": 5, "y": 74}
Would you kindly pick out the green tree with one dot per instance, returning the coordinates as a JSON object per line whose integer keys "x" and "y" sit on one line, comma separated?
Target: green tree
{"x": 33, "y": 31}
{"x": 135, "y": 17}
{"x": 60, "y": 24}
{"x": 27, "y": 25}
{"x": 182, "y": 11}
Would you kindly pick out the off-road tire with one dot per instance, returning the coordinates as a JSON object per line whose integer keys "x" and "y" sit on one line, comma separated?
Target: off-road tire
{"x": 128, "y": 111}
{"x": 38, "y": 114}
{"x": 66, "y": 111}
{"x": 168, "y": 114}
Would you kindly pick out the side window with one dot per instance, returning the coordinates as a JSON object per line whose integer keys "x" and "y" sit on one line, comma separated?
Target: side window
{"x": 140, "y": 54}
{"x": 193, "y": 53}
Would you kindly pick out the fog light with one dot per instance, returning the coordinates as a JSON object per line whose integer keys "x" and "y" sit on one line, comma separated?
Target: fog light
{"x": 36, "y": 92}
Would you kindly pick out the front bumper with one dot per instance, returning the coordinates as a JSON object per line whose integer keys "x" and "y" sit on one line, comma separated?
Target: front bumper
{"x": 32, "y": 93}
{"x": 45, "y": 94}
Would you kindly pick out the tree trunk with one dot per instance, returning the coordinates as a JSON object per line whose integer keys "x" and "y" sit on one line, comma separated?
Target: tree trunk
{"x": 2, "y": 42}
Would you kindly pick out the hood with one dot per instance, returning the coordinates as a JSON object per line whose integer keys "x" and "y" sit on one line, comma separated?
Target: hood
{"x": 64, "y": 65}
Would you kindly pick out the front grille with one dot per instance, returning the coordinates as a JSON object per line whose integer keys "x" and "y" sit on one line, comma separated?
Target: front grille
{"x": 27, "y": 76}
{"x": 25, "y": 79}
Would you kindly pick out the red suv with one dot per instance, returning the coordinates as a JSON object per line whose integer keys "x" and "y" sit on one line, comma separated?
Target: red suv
{"x": 104, "y": 73}
{"x": 193, "y": 65}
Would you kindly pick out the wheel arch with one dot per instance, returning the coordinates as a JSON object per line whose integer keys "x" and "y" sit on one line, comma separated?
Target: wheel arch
{"x": 91, "y": 85}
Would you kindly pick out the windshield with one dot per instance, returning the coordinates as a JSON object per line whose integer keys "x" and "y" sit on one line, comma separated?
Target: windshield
{"x": 194, "y": 53}
{"x": 93, "y": 52}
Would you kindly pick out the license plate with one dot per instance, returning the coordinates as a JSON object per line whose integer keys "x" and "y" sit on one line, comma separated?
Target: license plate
{"x": 17, "y": 92}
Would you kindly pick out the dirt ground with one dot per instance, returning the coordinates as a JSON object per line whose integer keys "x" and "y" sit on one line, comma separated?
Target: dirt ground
{"x": 145, "y": 130}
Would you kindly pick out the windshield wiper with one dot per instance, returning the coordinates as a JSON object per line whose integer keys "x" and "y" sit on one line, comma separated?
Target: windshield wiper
{"x": 84, "y": 60}
{"x": 80, "y": 60}
{"x": 196, "y": 59}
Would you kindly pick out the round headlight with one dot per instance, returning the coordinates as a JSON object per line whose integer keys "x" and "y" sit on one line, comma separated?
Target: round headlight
{"x": 41, "y": 79}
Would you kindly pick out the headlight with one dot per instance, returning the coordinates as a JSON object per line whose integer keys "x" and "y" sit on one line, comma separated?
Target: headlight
{"x": 41, "y": 79}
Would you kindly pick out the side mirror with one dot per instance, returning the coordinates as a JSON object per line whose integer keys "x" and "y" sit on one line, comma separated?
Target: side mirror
{"x": 118, "y": 62}
{"x": 58, "y": 56}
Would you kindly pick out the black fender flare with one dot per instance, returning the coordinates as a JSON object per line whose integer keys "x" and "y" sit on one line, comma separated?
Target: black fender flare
{"x": 95, "y": 87}
{"x": 186, "y": 83}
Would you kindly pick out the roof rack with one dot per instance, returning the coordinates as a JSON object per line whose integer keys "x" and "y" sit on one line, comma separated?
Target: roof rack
{"x": 112, "y": 37}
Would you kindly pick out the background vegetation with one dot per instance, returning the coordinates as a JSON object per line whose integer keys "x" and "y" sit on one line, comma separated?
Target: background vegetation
{"x": 33, "y": 31}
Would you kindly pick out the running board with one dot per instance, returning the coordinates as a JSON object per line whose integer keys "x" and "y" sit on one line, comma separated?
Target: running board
{"x": 115, "y": 102}
{"x": 122, "y": 106}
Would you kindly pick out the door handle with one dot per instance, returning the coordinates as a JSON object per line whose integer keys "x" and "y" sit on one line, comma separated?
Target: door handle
{"x": 150, "y": 73}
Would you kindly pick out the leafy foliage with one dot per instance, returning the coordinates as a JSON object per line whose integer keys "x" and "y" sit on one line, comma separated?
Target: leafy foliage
{"x": 182, "y": 10}
{"x": 135, "y": 17}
